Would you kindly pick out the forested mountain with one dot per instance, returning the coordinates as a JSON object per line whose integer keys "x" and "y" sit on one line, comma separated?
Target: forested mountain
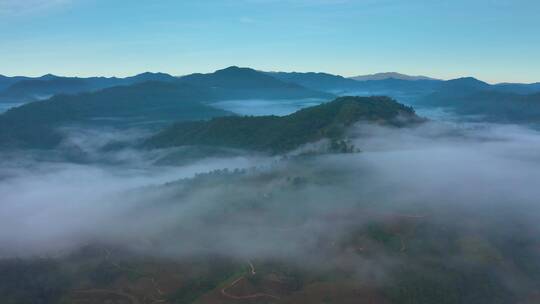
{"x": 163, "y": 101}
{"x": 387, "y": 75}
{"x": 33, "y": 125}
{"x": 470, "y": 96}
{"x": 319, "y": 81}
{"x": 333, "y": 237}
{"x": 329, "y": 82}
{"x": 279, "y": 134}
{"x": 463, "y": 84}
{"x": 335, "y": 84}
{"x": 399, "y": 85}
{"x": 412, "y": 88}
{"x": 520, "y": 88}
{"x": 245, "y": 83}
{"x": 6, "y": 81}
{"x": 229, "y": 83}
{"x": 24, "y": 89}
{"x": 488, "y": 104}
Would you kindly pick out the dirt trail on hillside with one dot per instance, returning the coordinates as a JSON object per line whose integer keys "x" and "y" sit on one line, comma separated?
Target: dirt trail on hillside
{"x": 245, "y": 297}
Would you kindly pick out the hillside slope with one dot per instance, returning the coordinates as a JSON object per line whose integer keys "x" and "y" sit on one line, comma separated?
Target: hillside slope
{"x": 394, "y": 75}
{"x": 34, "y": 125}
{"x": 472, "y": 97}
{"x": 244, "y": 83}
{"x": 24, "y": 89}
{"x": 279, "y": 134}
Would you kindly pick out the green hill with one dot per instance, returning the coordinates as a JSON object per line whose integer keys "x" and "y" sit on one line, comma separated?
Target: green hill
{"x": 485, "y": 102}
{"x": 245, "y": 83}
{"x": 279, "y": 134}
{"x": 23, "y": 89}
{"x": 34, "y": 125}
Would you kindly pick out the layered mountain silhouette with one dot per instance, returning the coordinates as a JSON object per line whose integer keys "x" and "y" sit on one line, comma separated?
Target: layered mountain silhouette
{"x": 469, "y": 96}
{"x": 385, "y": 83}
{"x": 162, "y": 100}
{"x": 157, "y": 98}
{"x": 35, "y": 124}
{"x": 229, "y": 83}
{"x": 387, "y": 75}
{"x": 505, "y": 102}
{"x": 319, "y": 81}
{"x": 340, "y": 85}
{"x": 245, "y": 83}
{"x": 24, "y": 89}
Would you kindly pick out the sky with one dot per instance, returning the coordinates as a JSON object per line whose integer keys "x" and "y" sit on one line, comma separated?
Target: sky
{"x": 494, "y": 40}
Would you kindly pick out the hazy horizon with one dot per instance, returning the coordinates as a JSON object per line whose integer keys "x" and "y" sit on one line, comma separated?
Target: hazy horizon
{"x": 487, "y": 39}
{"x": 287, "y": 71}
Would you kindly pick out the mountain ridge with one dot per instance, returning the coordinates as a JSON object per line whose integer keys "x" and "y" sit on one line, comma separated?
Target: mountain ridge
{"x": 387, "y": 75}
{"x": 278, "y": 134}
{"x": 32, "y": 89}
{"x": 34, "y": 125}
{"x": 245, "y": 83}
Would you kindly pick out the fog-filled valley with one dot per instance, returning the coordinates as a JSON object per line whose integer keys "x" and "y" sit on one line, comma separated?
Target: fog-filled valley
{"x": 244, "y": 186}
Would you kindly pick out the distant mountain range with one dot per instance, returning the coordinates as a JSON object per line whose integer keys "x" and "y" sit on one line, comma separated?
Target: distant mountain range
{"x": 387, "y": 75}
{"x": 321, "y": 81}
{"x": 394, "y": 85}
{"x": 152, "y": 103}
{"x": 505, "y": 102}
{"x": 35, "y": 125}
{"x": 229, "y": 83}
{"x": 157, "y": 98}
{"x": 499, "y": 103}
{"x": 245, "y": 83}
{"x": 25, "y": 89}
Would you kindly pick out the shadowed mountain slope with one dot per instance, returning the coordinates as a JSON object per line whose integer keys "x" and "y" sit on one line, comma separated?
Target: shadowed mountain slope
{"x": 245, "y": 83}
{"x": 24, "y": 89}
{"x": 34, "y": 124}
{"x": 279, "y": 134}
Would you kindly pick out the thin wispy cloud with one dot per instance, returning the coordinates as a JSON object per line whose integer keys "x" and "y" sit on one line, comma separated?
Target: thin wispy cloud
{"x": 25, "y": 7}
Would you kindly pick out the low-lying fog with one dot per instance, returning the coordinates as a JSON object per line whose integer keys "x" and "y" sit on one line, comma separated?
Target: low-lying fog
{"x": 49, "y": 206}
{"x": 4, "y": 106}
{"x": 282, "y": 107}
{"x": 259, "y": 107}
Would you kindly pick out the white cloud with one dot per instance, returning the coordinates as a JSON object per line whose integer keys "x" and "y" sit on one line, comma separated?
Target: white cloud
{"x": 24, "y": 7}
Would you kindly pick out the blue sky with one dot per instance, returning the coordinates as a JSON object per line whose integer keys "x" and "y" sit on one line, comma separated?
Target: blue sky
{"x": 494, "y": 40}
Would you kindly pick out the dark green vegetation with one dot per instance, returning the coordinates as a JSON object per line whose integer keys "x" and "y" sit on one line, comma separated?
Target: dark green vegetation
{"x": 383, "y": 256}
{"x": 311, "y": 229}
{"x": 469, "y": 96}
{"x": 34, "y": 125}
{"x": 245, "y": 83}
{"x": 159, "y": 102}
{"x": 229, "y": 83}
{"x": 6, "y": 81}
{"x": 32, "y": 281}
{"x": 280, "y": 134}
{"x": 25, "y": 89}
{"x": 505, "y": 102}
